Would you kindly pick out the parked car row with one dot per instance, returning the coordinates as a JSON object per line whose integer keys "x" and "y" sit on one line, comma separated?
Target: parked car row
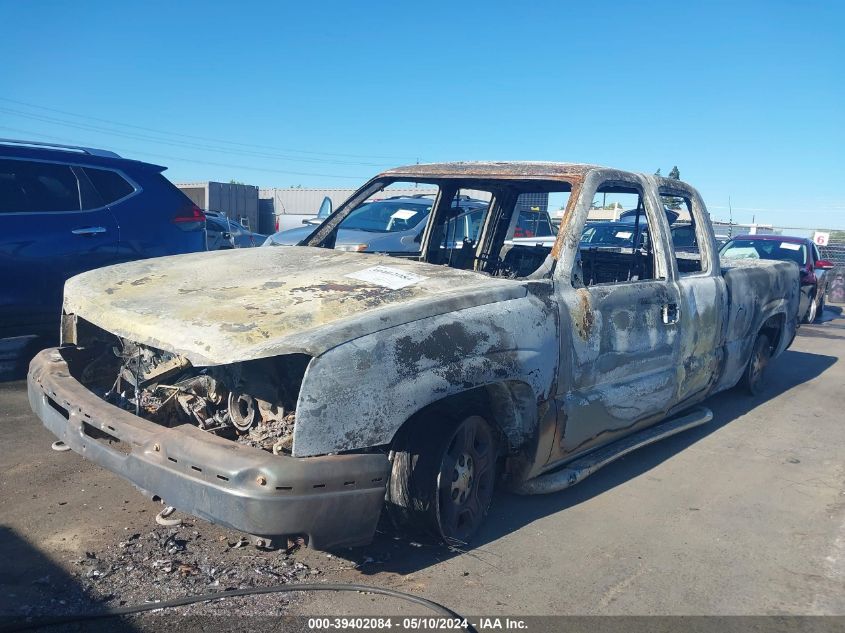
{"x": 222, "y": 233}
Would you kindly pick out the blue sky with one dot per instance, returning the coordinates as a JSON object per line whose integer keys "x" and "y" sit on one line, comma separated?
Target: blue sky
{"x": 747, "y": 98}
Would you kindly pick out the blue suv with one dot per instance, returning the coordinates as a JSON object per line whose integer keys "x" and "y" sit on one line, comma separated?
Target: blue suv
{"x": 65, "y": 210}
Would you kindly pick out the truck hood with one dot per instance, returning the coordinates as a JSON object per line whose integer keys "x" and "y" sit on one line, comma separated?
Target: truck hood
{"x": 228, "y": 306}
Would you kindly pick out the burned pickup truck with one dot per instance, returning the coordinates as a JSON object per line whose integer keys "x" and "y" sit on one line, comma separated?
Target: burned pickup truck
{"x": 306, "y": 390}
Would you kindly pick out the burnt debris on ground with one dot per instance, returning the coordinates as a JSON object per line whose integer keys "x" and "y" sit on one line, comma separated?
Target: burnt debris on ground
{"x": 165, "y": 563}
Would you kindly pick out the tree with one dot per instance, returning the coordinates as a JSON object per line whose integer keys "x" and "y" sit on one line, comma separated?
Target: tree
{"x": 671, "y": 202}
{"x": 657, "y": 173}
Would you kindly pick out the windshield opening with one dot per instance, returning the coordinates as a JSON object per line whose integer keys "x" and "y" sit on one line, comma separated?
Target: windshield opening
{"x": 387, "y": 216}
{"x": 765, "y": 249}
{"x": 500, "y": 227}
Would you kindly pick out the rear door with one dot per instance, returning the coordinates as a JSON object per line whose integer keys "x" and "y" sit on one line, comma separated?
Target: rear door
{"x": 54, "y": 226}
{"x": 703, "y": 295}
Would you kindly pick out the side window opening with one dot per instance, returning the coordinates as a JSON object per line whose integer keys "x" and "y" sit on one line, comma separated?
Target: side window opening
{"x": 530, "y": 233}
{"x": 619, "y": 250}
{"x": 504, "y": 232}
{"x": 455, "y": 239}
{"x": 533, "y": 219}
{"x": 686, "y": 235}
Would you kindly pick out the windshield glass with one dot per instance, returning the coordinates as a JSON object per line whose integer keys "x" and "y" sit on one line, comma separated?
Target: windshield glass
{"x": 387, "y": 216}
{"x": 608, "y": 235}
{"x": 765, "y": 249}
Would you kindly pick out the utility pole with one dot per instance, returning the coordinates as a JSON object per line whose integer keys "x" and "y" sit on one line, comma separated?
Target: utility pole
{"x": 730, "y": 218}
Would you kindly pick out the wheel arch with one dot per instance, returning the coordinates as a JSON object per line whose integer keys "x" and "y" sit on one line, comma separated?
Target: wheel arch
{"x": 510, "y": 406}
{"x": 774, "y": 328}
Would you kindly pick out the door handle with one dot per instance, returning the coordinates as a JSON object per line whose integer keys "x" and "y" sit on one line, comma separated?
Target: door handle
{"x": 89, "y": 230}
{"x": 670, "y": 313}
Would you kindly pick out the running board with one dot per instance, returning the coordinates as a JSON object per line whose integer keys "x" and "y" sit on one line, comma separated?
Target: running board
{"x": 583, "y": 467}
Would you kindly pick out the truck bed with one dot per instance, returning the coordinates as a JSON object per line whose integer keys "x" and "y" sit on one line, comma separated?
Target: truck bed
{"x": 756, "y": 291}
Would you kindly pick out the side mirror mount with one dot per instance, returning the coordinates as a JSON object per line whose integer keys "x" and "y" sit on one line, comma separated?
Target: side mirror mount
{"x": 824, "y": 264}
{"x": 325, "y": 208}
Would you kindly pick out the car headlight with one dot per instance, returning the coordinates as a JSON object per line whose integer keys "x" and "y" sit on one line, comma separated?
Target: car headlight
{"x": 351, "y": 248}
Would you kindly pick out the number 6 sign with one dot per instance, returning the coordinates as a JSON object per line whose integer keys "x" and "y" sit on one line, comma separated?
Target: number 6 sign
{"x": 821, "y": 238}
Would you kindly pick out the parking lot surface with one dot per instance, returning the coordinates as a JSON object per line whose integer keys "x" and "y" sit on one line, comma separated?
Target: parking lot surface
{"x": 745, "y": 515}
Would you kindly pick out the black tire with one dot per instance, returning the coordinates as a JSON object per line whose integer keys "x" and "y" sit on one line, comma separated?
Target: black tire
{"x": 761, "y": 353}
{"x": 444, "y": 472}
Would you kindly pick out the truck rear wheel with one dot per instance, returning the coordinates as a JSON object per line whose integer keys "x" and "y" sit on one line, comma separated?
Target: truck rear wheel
{"x": 443, "y": 477}
{"x": 761, "y": 353}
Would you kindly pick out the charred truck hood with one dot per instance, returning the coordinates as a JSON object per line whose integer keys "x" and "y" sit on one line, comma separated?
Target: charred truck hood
{"x": 231, "y": 306}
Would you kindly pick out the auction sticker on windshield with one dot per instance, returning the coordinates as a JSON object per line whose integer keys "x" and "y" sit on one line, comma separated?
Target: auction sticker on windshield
{"x": 387, "y": 277}
{"x": 404, "y": 214}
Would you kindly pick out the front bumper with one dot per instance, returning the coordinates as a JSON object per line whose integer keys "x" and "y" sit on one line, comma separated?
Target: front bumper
{"x": 335, "y": 500}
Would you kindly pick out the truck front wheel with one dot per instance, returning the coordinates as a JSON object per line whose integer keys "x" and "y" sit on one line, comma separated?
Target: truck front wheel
{"x": 443, "y": 477}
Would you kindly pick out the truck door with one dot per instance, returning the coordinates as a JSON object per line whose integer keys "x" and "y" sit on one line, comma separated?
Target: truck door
{"x": 623, "y": 349}
{"x": 702, "y": 291}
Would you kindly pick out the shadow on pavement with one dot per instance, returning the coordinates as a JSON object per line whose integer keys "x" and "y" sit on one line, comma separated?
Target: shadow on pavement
{"x": 829, "y": 325}
{"x": 34, "y": 589}
{"x": 510, "y": 512}
{"x": 830, "y": 313}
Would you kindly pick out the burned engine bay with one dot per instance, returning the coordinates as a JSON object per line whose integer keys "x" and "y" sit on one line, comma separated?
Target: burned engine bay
{"x": 252, "y": 402}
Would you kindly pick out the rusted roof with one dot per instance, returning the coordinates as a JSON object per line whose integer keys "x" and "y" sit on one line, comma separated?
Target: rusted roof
{"x": 495, "y": 169}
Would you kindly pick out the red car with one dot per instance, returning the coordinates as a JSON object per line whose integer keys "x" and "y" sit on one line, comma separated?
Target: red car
{"x": 800, "y": 250}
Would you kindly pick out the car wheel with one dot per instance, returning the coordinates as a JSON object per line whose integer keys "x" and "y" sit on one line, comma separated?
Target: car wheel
{"x": 820, "y": 309}
{"x": 442, "y": 480}
{"x": 761, "y": 353}
{"x": 811, "y": 311}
